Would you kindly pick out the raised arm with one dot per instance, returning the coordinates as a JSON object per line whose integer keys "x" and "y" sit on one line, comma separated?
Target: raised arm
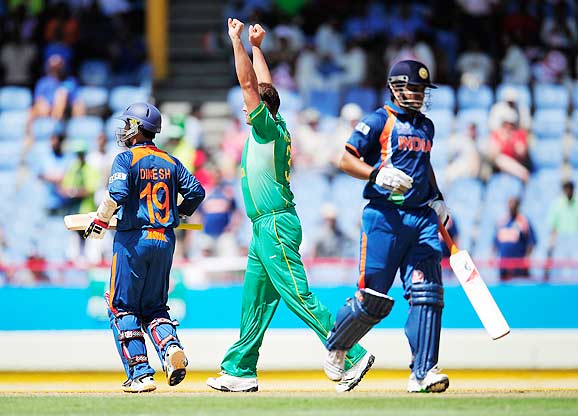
{"x": 256, "y": 36}
{"x": 244, "y": 67}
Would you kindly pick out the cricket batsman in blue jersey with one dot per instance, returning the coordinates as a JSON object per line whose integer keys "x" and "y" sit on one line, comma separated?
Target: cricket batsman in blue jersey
{"x": 390, "y": 148}
{"x": 143, "y": 186}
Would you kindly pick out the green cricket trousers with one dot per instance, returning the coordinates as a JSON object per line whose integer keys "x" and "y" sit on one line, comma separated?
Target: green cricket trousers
{"x": 274, "y": 272}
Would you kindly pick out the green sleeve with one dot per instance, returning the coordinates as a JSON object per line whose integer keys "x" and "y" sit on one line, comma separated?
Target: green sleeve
{"x": 264, "y": 124}
{"x": 553, "y": 216}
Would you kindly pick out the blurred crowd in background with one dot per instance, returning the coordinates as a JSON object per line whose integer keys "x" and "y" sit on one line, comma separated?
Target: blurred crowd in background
{"x": 504, "y": 152}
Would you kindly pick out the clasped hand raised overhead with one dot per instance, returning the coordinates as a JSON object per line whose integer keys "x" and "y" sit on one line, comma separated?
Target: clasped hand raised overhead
{"x": 235, "y": 28}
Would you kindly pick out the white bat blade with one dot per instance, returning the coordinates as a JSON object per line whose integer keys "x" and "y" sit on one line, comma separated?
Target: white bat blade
{"x": 479, "y": 295}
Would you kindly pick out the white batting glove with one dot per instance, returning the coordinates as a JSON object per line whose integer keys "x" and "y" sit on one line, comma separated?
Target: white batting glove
{"x": 96, "y": 229}
{"x": 441, "y": 209}
{"x": 392, "y": 179}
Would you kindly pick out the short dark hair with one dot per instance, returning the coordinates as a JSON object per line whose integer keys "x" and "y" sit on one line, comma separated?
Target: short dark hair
{"x": 147, "y": 134}
{"x": 270, "y": 96}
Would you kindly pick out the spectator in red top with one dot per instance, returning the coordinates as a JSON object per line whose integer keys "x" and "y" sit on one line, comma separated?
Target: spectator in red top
{"x": 509, "y": 147}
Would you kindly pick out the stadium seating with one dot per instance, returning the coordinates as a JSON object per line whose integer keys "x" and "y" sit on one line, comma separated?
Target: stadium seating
{"x": 311, "y": 191}
{"x": 443, "y": 120}
{"x": 499, "y": 189}
{"x": 573, "y": 154}
{"x": 473, "y": 115}
{"x": 544, "y": 185}
{"x": 110, "y": 126}
{"x": 13, "y": 124}
{"x": 44, "y": 127}
{"x": 479, "y": 98}
{"x": 439, "y": 154}
{"x": 574, "y": 122}
{"x": 93, "y": 97}
{"x": 11, "y": 155}
{"x": 95, "y": 73}
{"x": 549, "y": 123}
{"x": 547, "y": 153}
{"x": 347, "y": 196}
{"x": 235, "y": 101}
{"x": 15, "y": 98}
{"x": 290, "y": 101}
{"x": 464, "y": 196}
{"x": 524, "y": 96}
{"x": 551, "y": 96}
{"x": 366, "y": 98}
{"x": 123, "y": 96}
{"x": 86, "y": 128}
{"x": 442, "y": 98}
{"x": 326, "y": 101}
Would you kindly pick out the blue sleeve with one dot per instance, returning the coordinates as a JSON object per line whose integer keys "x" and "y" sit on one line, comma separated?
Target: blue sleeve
{"x": 40, "y": 89}
{"x": 191, "y": 190}
{"x": 72, "y": 87}
{"x": 531, "y": 235}
{"x": 119, "y": 178}
{"x": 366, "y": 134}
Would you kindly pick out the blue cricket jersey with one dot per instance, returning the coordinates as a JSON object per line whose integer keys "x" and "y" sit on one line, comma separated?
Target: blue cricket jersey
{"x": 514, "y": 236}
{"x": 392, "y": 137}
{"x": 145, "y": 181}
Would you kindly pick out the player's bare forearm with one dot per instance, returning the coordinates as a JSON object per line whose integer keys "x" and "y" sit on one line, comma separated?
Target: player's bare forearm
{"x": 354, "y": 166}
{"x": 260, "y": 66}
{"x": 243, "y": 66}
{"x": 246, "y": 76}
{"x": 256, "y": 36}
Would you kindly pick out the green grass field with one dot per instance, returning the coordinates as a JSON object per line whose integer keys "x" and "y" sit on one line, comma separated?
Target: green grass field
{"x": 503, "y": 392}
{"x": 278, "y": 404}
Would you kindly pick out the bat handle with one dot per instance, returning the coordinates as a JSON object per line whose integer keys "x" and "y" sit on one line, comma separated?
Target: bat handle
{"x": 448, "y": 239}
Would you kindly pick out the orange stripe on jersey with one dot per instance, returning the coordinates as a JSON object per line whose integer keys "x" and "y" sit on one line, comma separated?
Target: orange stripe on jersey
{"x": 142, "y": 151}
{"x": 385, "y": 137}
{"x": 112, "y": 283}
{"x": 353, "y": 148}
{"x": 361, "y": 283}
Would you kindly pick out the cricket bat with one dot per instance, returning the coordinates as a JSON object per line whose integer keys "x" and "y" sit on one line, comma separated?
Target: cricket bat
{"x": 475, "y": 288}
{"x": 80, "y": 222}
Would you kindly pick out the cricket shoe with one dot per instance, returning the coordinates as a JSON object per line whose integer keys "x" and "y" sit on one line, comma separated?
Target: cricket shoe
{"x": 175, "y": 365}
{"x": 353, "y": 376}
{"x": 142, "y": 384}
{"x": 230, "y": 383}
{"x": 334, "y": 363}
{"x": 434, "y": 382}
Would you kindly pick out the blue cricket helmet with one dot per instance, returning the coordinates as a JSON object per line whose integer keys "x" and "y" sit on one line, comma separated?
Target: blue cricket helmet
{"x": 147, "y": 116}
{"x": 138, "y": 116}
{"x": 412, "y": 72}
{"x": 405, "y": 73}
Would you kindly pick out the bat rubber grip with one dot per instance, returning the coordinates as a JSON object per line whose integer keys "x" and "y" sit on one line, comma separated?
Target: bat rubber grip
{"x": 448, "y": 239}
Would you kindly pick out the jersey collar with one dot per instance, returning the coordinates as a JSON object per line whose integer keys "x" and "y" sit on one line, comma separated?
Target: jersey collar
{"x": 396, "y": 109}
{"x": 147, "y": 143}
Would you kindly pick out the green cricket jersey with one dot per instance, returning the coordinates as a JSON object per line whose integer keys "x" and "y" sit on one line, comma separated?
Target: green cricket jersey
{"x": 265, "y": 166}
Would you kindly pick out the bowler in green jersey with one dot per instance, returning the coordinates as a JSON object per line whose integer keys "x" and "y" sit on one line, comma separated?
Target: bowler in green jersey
{"x": 274, "y": 267}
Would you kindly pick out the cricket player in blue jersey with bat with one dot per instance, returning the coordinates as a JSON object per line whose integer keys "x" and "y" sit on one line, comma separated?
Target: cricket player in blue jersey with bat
{"x": 143, "y": 186}
{"x": 390, "y": 148}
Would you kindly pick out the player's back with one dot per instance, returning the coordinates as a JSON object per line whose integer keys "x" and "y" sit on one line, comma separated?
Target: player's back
{"x": 151, "y": 190}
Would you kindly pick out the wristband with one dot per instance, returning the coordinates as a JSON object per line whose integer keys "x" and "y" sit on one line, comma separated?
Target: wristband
{"x": 101, "y": 223}
{"x": 373, "y": 175}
